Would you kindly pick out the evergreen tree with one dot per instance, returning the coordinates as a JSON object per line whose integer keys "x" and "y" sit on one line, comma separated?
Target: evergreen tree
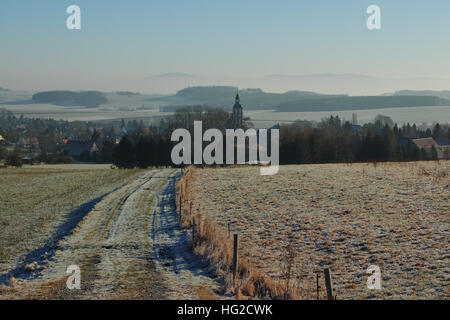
{"x": 437, "y": 132}
{"x": 144, "y": 152}
{"x": 123, "y": 154}
{"x": 3, "y": 153}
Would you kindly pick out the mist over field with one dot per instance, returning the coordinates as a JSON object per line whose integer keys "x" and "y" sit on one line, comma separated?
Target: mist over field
{"x": 170, "y": 83}
{"x": 327, "y": 83}
{"x": 264, "y": 108}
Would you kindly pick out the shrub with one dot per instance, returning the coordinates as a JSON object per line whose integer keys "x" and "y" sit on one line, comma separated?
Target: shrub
{"x": 14, "y": 160}
{"x": 3, "y": 153}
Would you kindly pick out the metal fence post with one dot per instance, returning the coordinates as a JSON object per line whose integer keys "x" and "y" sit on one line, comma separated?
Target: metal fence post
{"x": 328, "y": 283}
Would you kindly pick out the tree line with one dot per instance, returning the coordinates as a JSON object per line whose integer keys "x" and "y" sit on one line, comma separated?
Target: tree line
{"x": 329, "y": 141}
{"x": 336, "y": 142}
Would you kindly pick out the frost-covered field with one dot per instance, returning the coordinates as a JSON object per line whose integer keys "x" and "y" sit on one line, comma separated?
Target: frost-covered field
{"x": 33, "y": 201}
{"x": 346, "y": 217}
{"x": 128, "y": 245}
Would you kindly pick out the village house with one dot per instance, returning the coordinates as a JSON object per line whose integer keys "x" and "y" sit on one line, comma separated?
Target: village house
{"x": 428, "y": 144}
{"x": 126, "y": 130}
{"x": 28, "y": 143}
{"x": 100, "y": 142}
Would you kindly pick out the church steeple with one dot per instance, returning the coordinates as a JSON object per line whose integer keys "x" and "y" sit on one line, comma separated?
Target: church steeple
{"x": 237, "y": 112}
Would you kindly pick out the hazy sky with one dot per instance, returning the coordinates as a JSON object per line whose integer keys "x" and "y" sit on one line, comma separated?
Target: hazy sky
{"x": 123, "y": 42}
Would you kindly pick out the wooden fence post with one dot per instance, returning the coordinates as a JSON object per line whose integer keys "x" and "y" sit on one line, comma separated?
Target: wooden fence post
{"x": 193, "y": 230}
{"x": 328, "y": 284}
{"x": 235, "y": 255}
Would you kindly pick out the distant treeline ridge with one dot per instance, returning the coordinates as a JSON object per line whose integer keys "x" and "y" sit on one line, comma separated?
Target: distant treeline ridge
{"x": 82, "y": 98}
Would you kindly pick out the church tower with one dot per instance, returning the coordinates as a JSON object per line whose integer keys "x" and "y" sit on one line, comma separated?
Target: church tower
{"x": 237, "y": 113}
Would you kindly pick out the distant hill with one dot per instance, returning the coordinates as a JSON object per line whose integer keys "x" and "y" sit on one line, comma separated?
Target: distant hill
{"x": 127, "y": 93}
{"x": 441, "y": 94}
{"x": 70, "y": 98}
{"x": 175, "y": 75}
{"x": 361, "y": 102}
{"x": 223, "y": 97}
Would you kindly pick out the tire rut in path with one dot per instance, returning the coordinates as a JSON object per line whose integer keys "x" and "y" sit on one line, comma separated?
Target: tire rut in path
{"x": 187, "y": 276}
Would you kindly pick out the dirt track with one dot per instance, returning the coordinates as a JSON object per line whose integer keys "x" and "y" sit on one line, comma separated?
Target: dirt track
{"x": 128, "y": 246}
